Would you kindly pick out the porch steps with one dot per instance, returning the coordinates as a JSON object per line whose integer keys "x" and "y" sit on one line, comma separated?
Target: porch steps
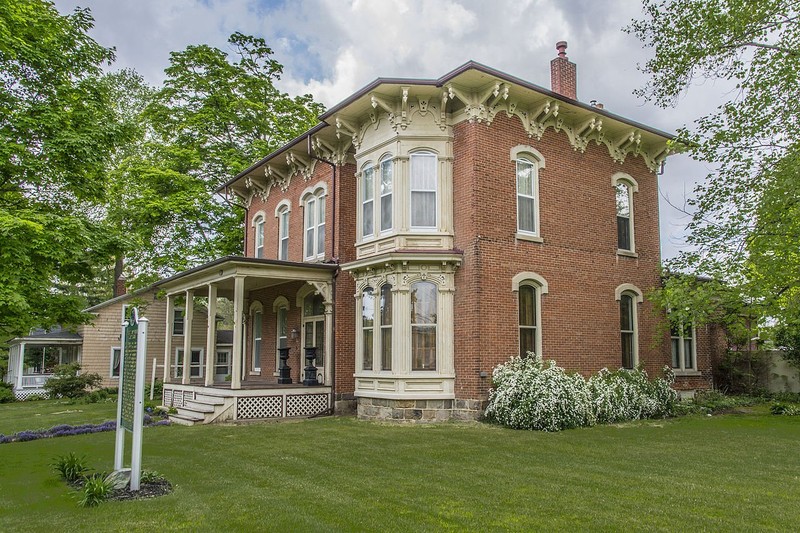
{"x": 185, "y": 420}
{"x": 202, "y": 410}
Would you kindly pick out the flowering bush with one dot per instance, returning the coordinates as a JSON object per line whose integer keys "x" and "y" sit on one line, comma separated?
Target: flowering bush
{"x": 529, "y": 393}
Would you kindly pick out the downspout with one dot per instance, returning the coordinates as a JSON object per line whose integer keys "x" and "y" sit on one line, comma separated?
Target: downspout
{"x": 335, "y": 259}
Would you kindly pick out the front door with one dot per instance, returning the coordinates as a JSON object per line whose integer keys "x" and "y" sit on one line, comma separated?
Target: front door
{"x": 222, "y": 365}
{"x": 314, "y": 333}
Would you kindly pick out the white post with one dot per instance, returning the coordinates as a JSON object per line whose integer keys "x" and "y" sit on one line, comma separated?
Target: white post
{"x": 211, "y": 334}
{"x": 188, "y": 317}
{"x": 153, "y": 377}
{"x": 119, "y": 446}
{"x": 238, "y": 312}
{"x": 138, "y": 406}
{"x": 168, "y": 336}
{"x": 21, "y": 365}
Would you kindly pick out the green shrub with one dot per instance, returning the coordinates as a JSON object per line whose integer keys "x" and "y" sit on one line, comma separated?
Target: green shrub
{"x": 630, "y": 395}
{"x": 150, "y": 476}
{"x": 7, "y": 392}
{"x": 70, "y": 467}
{"x": 68, "y": 383}
{"x": 158, "y": 390}
{"x": 96, "y": 490}
{"x": 715, "y": 401}
{"x": 780, "y": 408}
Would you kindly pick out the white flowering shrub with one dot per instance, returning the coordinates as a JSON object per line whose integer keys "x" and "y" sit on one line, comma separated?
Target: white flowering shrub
{"x": 529, "y": 393}
{"x": 630, "y": 395}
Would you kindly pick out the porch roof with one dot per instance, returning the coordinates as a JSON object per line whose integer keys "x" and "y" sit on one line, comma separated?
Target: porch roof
{"x": 58, "y": 336}
{"x": 258, "y": 274}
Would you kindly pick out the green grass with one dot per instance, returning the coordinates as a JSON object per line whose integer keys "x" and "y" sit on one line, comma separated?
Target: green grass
{"x": 731, "y": 472}
{"x": 43, "y": 414}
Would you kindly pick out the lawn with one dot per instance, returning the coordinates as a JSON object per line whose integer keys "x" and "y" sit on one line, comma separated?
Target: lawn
{"x": 730, "y": 472}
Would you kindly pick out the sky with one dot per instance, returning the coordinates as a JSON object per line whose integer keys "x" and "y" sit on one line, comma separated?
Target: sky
{"x": 331, "y": 48}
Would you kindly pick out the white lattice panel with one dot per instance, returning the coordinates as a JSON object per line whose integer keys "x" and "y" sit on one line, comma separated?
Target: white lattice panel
{"x": 259, "y": 407}
{"x": 306, "y": 404}
{"x": 24, "y": 394}
{"x": 167, "y": 397}
{"x": 177, "y": 398}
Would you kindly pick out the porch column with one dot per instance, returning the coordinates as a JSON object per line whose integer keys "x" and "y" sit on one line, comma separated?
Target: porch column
{"x": 211, "y": 335}
{"x": 188, "y": 316}
{"x": 238, "y": 318}
{"x": 328, "y": 368}
{"x": 168, "y": 336}
{"x": 21, "y": 365}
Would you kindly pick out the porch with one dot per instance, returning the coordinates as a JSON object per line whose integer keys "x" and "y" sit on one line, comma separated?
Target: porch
{"x": 32, "y": 359}
{"x": 276, "y": 360}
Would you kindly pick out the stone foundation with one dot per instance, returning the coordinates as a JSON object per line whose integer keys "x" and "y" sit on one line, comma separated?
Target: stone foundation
{"x": 419, "y": 411}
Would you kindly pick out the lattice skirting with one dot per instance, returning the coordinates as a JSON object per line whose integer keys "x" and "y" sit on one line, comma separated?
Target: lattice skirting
{"x": 24, "y": 394}
{"x": 278, "y": 406}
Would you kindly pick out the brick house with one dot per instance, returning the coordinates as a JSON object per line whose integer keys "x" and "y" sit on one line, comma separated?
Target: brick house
{"x": 427, "y": 230}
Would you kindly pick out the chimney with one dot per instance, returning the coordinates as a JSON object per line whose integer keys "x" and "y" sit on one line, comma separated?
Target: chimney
{"x": 120, "y": 287}
{"x": 563, "y": 73}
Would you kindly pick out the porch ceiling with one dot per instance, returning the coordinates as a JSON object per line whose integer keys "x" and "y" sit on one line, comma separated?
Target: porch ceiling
{"x": 257, "y": 274}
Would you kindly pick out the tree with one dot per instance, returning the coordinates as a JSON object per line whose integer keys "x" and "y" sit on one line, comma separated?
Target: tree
{"x": 744, "y": 227}
{"x": 57, "y": 130}
{"x": 215, "y": 116}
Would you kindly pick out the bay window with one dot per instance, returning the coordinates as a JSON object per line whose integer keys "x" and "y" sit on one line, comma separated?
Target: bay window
{"x": 423, "y": 325}
{"x": 423, "y": 182}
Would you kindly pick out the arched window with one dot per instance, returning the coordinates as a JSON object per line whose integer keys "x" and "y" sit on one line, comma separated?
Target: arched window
{"x": 257, "y": 322}
{"x": 258, "y": 223}
{"x": 423, "y": 183}
{"x": 628, "y": 296}
{"x": 386, "y": 187}
{"x": 529, "y": 287}
{"x": 624, "y": 187}
{"x": 527, "y": 197}
{"x": 282, "y": 213}
{"x": 314, "y": 326}
{"x": 423, "y": 325}
{"x": 368, "y": 202}
{"x": 281, "y": 309}
{"x": 367, "y": 327}
{"x": 314, "y": 206}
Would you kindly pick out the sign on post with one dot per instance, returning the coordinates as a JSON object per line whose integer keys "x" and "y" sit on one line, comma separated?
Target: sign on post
{"x": 130, "y": 403}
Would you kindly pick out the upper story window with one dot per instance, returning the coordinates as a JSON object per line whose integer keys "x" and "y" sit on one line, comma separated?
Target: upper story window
{"x": 314, "y": 223}
{"x": 258, "y": 223}
{"x": 177, "y": 321}
{"x": 282, "y": 214}
{"x": 624, "y": 187}
{"x": 527, "y": 161}
{"x": 423, "y": 325}
{"x": 628, "y": 296}
{"x": 423, "y": 182}
{"x": 683, "y": 348}
{"x": 385, "y": 189}
{"x": 376, "y": 215}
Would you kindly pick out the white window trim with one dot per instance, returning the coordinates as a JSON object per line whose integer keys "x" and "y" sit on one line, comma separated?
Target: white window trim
{"x": 540, "y": 286}
{"x": 111, "y": 362}
{"x": 319, "y": 193}
{"x": 633, "y": 187}
{"x": 285, "y": 206}
{"x": 361, "y": 188}
{"x": 437, "y": 329}
{"x": 378, "y": 217}
{"x": 201, "y": 365}
{"x": 255, "y": 307}
{"x": 426, "y": 153}
{"x": 533, "y": 156}
{"x": 175, "y": 311}
{"x": 636, "y": 293}
{"x": 681, "y": 369}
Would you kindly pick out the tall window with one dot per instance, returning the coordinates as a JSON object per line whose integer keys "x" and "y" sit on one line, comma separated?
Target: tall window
{"x": 528, "y": 320}
{"x": 683, "y": 348}
{"x": 314, "y": 326}
{"x": 527, "y": 178}
{"x": 367, "y": 327}
{"x": 423, "y": 325}
{"x": 177, "y": 322}
{"x": 386, "y": 327}
{"x": 116, "y": 355}
{"x": 259, "y": 225}
{"x": 258, "y": 318}
{"x": 386, "y": 194}
{"x": 368, "y": 202}
{"x": 624, "y": 226}
{"x": 315, "y": 225}
{"x": 283, "y": 233}
{"x": 282, "y": 330}
{"x": 423, "y": 190}
{"x": 627, "y": 326}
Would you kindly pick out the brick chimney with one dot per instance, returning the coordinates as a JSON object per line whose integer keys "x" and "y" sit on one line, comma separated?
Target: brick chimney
{"x": 563, "y": 73}
{"x": 120, "y": 286}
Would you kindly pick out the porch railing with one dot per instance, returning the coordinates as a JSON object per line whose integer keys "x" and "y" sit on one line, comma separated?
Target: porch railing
{"x": 35, "y": 381}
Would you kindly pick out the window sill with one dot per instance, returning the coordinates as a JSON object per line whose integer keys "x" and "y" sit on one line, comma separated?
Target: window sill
{"x": 276, "y": 374}
{"x": 627, "y": 253}
{"x": 687, "y": 373}
{"x": 527, "y": 237}
{"x": 255, "y": 372}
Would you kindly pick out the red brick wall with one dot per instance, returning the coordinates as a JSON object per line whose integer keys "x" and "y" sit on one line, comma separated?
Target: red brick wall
{"x": 580, "y": 315}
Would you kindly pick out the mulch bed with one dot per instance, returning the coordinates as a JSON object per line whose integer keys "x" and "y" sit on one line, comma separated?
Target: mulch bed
{"x": 152, "y": 489}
